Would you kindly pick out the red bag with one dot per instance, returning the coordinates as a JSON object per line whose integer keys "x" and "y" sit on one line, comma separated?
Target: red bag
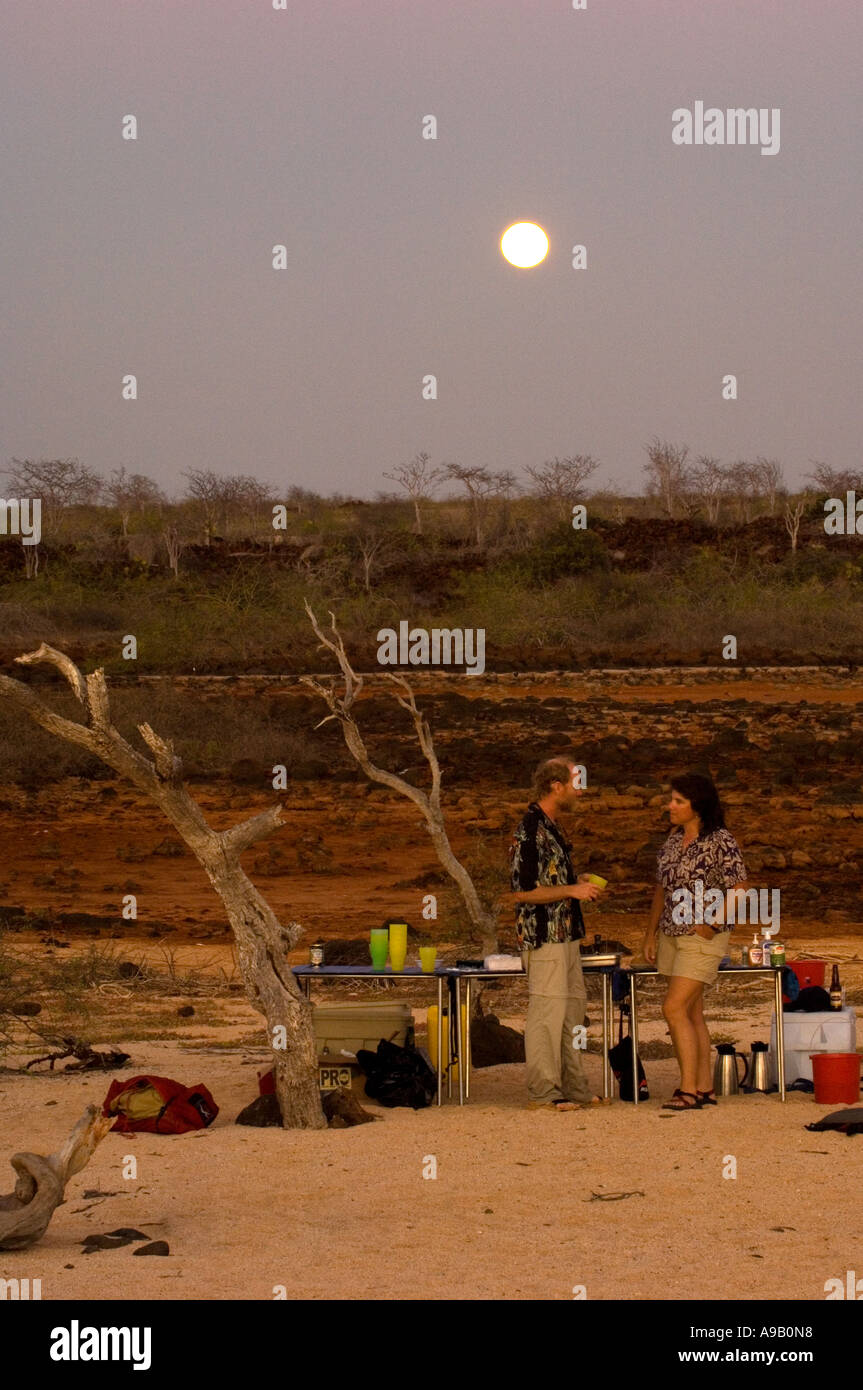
{"x": 157, "y": 1105}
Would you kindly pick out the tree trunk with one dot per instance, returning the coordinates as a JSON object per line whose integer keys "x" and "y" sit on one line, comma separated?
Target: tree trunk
{"x": 272, "y": 989}
{"x": 263, "y": 943}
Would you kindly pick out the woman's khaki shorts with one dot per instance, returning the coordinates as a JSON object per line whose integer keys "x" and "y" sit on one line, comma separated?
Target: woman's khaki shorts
{"x": 691, "y": 956}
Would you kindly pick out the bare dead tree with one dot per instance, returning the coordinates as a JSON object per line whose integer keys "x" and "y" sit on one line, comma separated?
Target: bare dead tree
{"x": 743, "y": 487}
{"x": 709, "y": 483}
{"x": 376, "y": 548}
{"x": 31, "y": 560}
{"x": 419, "y": 481}
{"x": 174, "y": 544}
{"x": 262, "y": 942}
{"x": 667, "y": 472}
{"x": 481, "y": 485}
{"x": 835, "y": 481}
{"x": 59, "y": 483}
{"x": 768, "y": 478}
{"x": 793, "y": 514}
{"x": 26, "y": 1211}
{"x": 131, "y": 492}
{"x": 214, "y": 495}
{"x": 429, "y": 804}
{"x": 252, "y": 499}
{"x": 561, "y": 481}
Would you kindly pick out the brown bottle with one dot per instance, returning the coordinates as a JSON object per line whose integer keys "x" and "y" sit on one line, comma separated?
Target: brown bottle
{"x": 835, "y": 989}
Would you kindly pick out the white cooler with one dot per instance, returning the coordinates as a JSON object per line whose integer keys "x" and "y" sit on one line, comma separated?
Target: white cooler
{"x": 834, "y": 1030}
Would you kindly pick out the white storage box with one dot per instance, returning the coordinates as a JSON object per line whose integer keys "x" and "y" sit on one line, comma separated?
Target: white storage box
{"x": 834, "y": 1030}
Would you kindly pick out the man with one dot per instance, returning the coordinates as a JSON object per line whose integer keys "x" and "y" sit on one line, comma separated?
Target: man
{"x": 549, "y": 926}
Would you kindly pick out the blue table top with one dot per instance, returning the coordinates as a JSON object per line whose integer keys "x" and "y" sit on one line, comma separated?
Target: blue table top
{"x": 414, "y": 971}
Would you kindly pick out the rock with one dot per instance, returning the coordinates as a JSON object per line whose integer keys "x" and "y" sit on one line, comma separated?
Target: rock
{"x": 800, "y": 859}
{"x": 343, "y": 1110}
{"x": 155, "y": 1247}
{"x": 27, "y": 1008}
{"x": 263, "y": 1113}
{"x": 773, "y": 859}
{"x": 186, "y": 1011}
{"x": 492, "y": 1042}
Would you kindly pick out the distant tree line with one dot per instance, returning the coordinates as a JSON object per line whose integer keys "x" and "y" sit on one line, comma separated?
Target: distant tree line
{"x": 474, "y": 502}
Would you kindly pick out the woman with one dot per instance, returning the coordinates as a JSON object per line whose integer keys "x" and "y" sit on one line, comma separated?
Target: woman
{"x": 698, "y": 850}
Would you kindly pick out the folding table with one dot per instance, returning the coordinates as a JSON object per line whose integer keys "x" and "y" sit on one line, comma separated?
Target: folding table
{"x": 636, "y": 972}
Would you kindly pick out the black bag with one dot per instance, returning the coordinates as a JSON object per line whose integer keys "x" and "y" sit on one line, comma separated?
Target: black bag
{"x": 620, "y": 1058}
{"x": 397, "y": 1076}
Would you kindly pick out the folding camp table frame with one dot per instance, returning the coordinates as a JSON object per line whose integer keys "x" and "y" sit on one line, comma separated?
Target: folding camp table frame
{"x": 453, "y": 976}
{"x": 308, "y": 973}
{"x": 459, "y": 973}
{"x": 640, "y": 971}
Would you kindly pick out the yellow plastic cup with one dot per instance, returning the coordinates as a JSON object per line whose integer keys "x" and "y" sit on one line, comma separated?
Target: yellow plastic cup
{"x": 398, "y": 945}
{"x": 428, "y": 956}
{"x": 595, "y": 878}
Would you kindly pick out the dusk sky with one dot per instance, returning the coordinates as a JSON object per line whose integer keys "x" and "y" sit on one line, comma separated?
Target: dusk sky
{"x": 304, "y": 127}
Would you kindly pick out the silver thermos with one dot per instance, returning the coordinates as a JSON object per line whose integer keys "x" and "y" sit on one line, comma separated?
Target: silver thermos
{"x": 726, "y": 1081}
{"x": 757, "y": 1076}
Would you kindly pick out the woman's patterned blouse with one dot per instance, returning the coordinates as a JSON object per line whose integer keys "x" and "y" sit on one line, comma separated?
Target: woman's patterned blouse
{"x": 715, "y": 859}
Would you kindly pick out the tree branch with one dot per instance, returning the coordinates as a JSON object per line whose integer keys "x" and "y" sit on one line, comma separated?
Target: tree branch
{"x": 241, "y": 836}
{"x": 65, "y": 665}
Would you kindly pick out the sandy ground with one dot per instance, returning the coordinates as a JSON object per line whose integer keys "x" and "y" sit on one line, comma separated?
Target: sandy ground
{"x": 511, "y": 1214}
{"x": 347, "y": 1214}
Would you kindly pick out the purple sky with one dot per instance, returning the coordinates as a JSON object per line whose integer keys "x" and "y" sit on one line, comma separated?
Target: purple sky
{"x": 304, "y": 127}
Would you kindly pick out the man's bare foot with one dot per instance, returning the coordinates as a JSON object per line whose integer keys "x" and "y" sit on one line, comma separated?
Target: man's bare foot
{"x": 600, "y": 1100}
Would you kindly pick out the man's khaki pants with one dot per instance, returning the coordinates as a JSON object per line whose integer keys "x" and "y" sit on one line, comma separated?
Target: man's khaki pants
{"x": 556, "y": 1004}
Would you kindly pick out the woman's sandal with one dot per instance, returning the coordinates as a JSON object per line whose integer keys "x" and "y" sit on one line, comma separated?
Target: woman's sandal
{"x": 707, "y": 1097}
{"x": 679, "y": 1103}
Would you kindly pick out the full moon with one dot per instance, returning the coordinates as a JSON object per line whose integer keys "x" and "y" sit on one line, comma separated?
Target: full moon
{"x": 524, "y": 244}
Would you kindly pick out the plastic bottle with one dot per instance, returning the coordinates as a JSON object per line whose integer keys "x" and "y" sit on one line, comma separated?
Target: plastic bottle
{"x": 755, "y": 956}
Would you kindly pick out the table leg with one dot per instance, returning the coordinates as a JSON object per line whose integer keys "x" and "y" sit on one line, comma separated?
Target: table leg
{"x": 606, "y": 1035}
{"x": 633, "y": 1033}
{"x": 307, "y": 986}
{"x": 780, "y": 1034}
{"x": 450, "y": 988}
{"x": 467, "y": 1007}
{"x": 459, "y": 1048}
{"x": 440, "y": 1039}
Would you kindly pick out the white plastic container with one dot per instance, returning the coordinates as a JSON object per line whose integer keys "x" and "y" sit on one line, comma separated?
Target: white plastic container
{"x": 834, "y": 1030}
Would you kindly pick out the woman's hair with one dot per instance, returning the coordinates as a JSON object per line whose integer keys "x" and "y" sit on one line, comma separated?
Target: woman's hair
{"x": 704, "y": 799}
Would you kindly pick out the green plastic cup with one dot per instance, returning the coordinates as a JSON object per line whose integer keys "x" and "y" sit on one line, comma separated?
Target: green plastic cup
{"x": 595, "y": 878}
{"x": 379, "y": 941}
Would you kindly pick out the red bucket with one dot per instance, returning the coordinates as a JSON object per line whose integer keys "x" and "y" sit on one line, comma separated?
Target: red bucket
{"x": 836, "y": 1076}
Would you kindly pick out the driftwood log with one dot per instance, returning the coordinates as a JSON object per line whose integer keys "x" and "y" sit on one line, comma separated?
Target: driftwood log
{"x": 25, "y": 1212}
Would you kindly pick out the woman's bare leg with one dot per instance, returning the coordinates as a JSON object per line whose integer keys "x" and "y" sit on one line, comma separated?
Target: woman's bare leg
{"x": 684, "y": 1035}
{"x": 704, "y": 1079}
